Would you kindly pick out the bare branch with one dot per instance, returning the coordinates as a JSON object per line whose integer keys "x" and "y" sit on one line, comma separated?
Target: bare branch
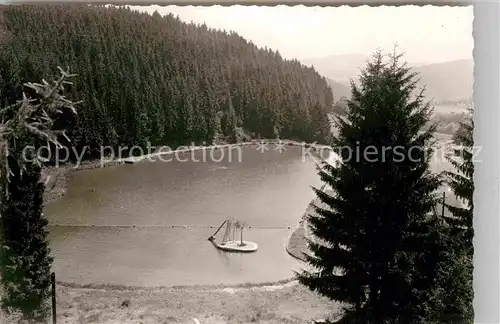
{"x": 32, "y": 119}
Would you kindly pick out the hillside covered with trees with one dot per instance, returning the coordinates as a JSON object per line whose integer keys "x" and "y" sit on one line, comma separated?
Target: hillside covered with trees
{"x": 151, "y": 78}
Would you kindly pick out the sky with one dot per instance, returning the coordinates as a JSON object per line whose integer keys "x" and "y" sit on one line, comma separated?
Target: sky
{"x": 426, "y": 34}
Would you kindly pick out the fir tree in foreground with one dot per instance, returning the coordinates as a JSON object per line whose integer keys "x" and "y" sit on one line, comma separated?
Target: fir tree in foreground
{"x": 376, "y": 242}
{"x": 457, "y": 277}
{"x": 451, "y": 299}
{"x": 24, "y": 252}
{"x": 25, "y": 257}
{"x": 462, "y": 184}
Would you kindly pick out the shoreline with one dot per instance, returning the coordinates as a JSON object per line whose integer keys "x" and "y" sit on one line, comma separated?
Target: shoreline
{"x": 215, "y": 287}
{"x": 297, "y": 244}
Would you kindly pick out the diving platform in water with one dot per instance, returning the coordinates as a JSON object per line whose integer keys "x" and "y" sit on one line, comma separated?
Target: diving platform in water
{"x": 236, "y": 246}
{"x": 233, "y": 245}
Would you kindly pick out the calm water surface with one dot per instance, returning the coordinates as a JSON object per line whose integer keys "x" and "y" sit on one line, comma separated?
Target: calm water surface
{"x": 94, "y": 239}
{"x": 148, "y": 223}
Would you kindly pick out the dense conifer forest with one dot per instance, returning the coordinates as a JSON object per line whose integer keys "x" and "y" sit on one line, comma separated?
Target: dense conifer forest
{"x": 151, "y": 78}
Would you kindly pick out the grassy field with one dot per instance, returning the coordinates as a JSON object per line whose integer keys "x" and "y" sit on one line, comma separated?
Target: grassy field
{"x": 285, "y": 303}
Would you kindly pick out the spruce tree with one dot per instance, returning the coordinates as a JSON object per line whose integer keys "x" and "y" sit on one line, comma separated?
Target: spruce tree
{"x": 373, "y": 228}
{"x": 447, "y": 262}
{"x": 462, "y": 184}
{"x": 456, "y": 277}
{"x": 24, "y": 252}
{"x": 25, "y": 256}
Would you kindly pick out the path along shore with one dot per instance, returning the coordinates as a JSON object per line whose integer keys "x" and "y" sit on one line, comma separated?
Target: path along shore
{"x": 297, "y": 245}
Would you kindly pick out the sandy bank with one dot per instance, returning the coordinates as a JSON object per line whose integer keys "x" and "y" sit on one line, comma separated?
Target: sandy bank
{"x": 297, "y": 244}
{"x": 236, "y": 287}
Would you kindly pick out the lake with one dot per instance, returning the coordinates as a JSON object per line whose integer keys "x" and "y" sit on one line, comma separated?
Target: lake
{"x": 147, "y": 224}
{"x": 173, "y": 206}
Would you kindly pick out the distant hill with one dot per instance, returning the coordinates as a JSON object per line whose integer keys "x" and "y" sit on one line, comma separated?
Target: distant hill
{"x": 449, "y": 81}
{"x": 340, "y": 68}
{"x": 339, "y": 89}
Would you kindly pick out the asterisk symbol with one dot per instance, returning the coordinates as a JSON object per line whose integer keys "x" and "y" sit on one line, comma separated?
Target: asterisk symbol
{"x": 280, "y": 147}
{"x": 262, "y": 146}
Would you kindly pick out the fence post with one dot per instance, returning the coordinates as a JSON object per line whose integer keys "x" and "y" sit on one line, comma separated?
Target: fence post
{"x": 53, "y": 282}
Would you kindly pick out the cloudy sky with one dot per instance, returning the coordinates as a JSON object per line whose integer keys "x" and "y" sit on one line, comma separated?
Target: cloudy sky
{"x": 426, "y": 34}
